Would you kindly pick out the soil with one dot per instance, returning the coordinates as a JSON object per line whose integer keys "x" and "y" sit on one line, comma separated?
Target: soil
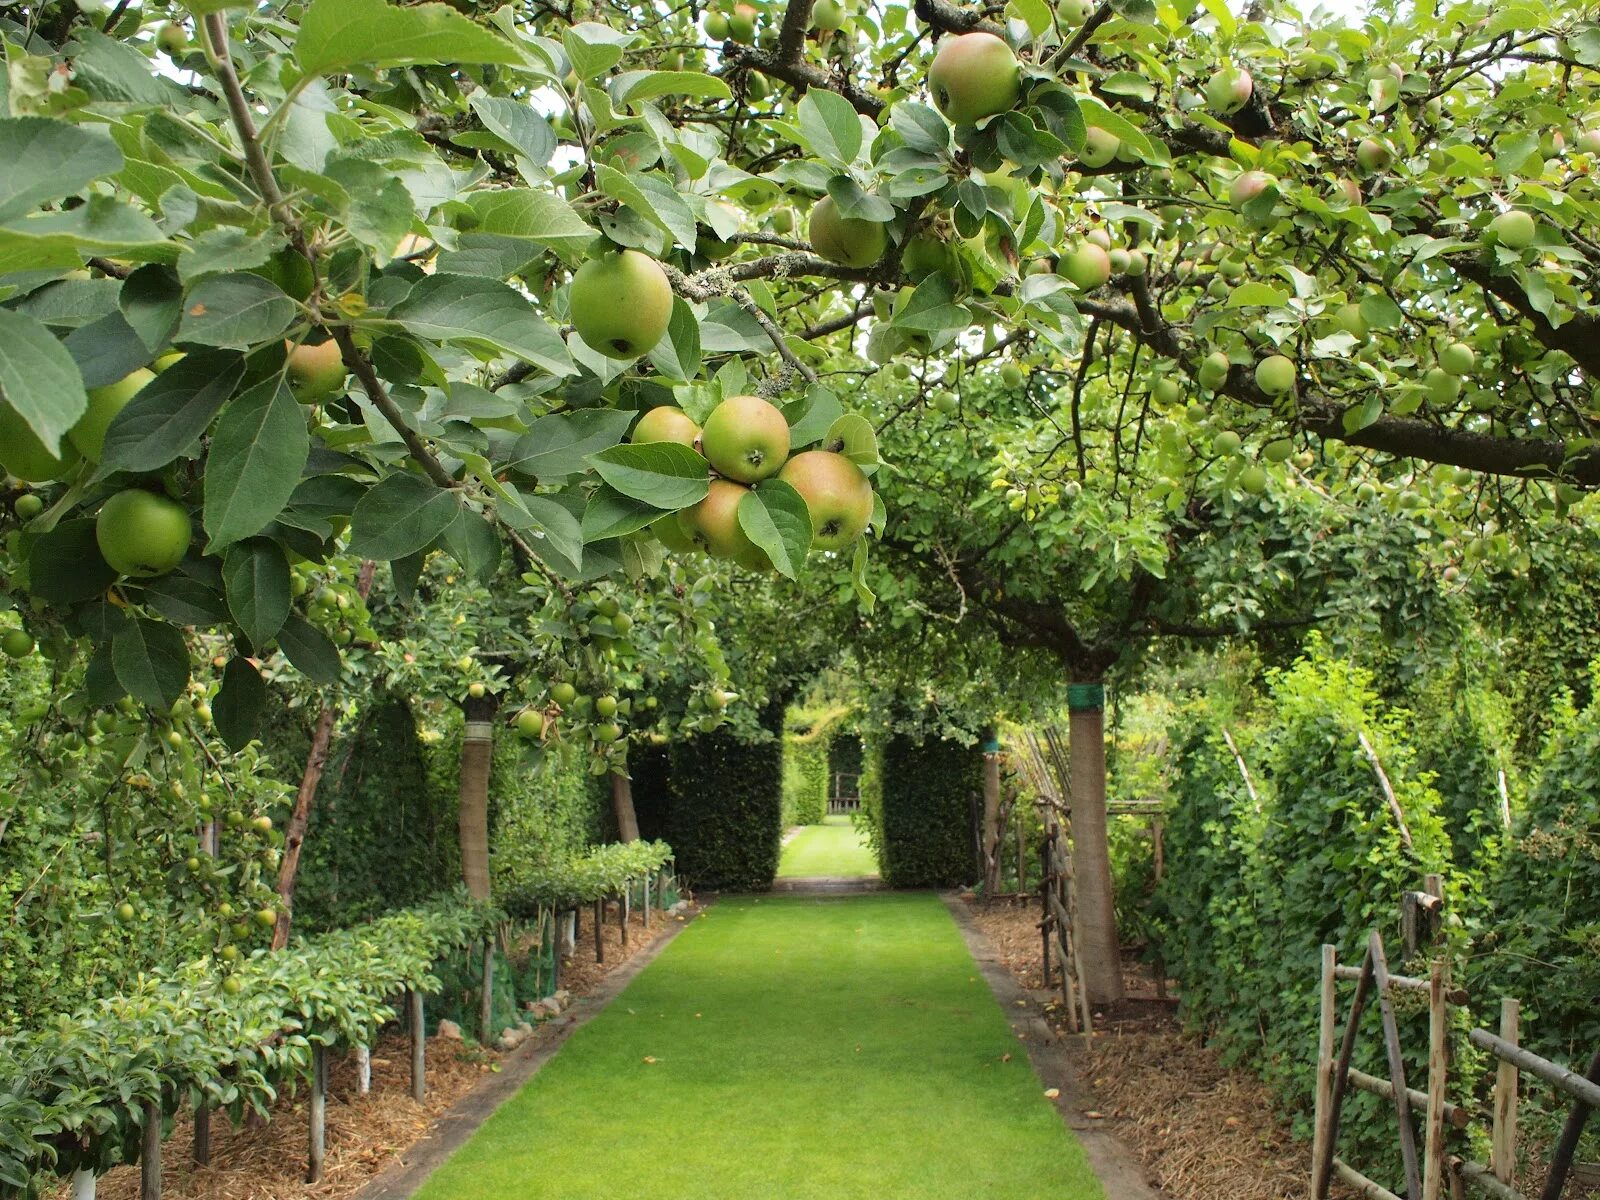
{"x": 364, "y": 1133}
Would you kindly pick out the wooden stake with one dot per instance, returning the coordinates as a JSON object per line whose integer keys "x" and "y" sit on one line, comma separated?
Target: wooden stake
{"x": 150, "y": 1153}
{"x": 1364, "y": 1186}
{"x": 1397, "y": 1065}
{"x": 419, "y": 1047}
{"x": 1325, "y": 1063}
{"x": 1322, "y": 1169}
{"x": 486, "y": 1003}
{"x": 1388, "y": 789}
{"x": 1567, "y": 1147}
{"x": 599, "y": 925}
{"x": 363, "y": 1070}
{"x": 318, "y": 1114}
{"x": 1438, "y": 1072}
{"x": 202, "y": 1134}
{"x": 623, "y": 906}
{"x": 644, "y": 898}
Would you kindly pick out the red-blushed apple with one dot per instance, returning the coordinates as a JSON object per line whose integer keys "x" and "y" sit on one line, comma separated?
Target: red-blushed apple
{"x": 745, "y": 438}
{"x": 666, "y": 423}
{"x": 1229, "y": 90}
{"x": 713, "y": 524}
{"x": 848, "y": 241}
{"x": 1248, "y": 185}
{"x": 837, "y": 493}
{"x": 621, "y": 303}
{"x": 315, "y": 371}
{"x": 974, "y": 76}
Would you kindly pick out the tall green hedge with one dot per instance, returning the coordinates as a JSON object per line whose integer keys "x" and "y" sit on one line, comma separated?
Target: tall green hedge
{"x": 725, "y": 820}
{"x": 920, "y": 810}
{"x": 808, "y": 745}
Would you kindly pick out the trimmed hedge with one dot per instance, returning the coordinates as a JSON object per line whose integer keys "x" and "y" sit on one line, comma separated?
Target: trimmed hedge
{"x": 808, "y": 748}
{"x": 725, "y": 820}
{"x": 919, "y": 797}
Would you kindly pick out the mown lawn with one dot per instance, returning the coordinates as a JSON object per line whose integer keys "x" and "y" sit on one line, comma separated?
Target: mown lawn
{"x": 787, "y": 1049}
{"x": 833, "y": 848}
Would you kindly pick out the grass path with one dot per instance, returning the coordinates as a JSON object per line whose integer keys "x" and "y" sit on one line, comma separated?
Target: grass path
{"x": 833, "y": 848}
{"x": 803, "y": 1049}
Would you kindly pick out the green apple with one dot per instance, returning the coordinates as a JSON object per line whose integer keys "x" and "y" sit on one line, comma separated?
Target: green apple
{"x": 974, "y": 76}
{"x": 1458, "y": 358}
{"x": 15, "y": 643}
{"x": 1589, "y": 141}
{"x": 827, "y": 16}
{"x": 621, "y": 303}
{"x": 1373, "y": 155}
{"x": 1214, "y": 369}
{"x": 89, "y": 434}
{"x": 848, "y": 241}
{"x": 563, "y": 693}
{"x": 1278, "y": 451}
{"x": 716, "y": 26}
{"x": 745, "y": 438}
{"x": 926, "y": 255}
{"x": 1011, "y": 376}
{"x": 24, "y": 455}
{"x": 1100, "y": 146}
{"x": 1166, "y": 392}
{"x": 1443, "y": 388}
{"x": 605, "y": 706}
{"x": 1074, "y": 12}
{"x": 606, "y": 732}
{"x": 713, "y": 524}
{"x": 142, "y": 534}
{"x": 946, "y": 402}
{"x": 316, "y": 372}
{"x": 1229, "y": 90}
{"x": 1352, "y": 320}
{"x": 1087, "y": 266}
{"x": 173, "y": 38}
{"x": 742, "y": 24}
{"x": 1226, "y": 444}
{"x": 530, "y": 722}
{"x": 27, "y": 506}
{"x": 1514, "y": 230}
{"x": 1253, "y": 479}
{"x": 666, "y": 423}
{"x": 669, "y": 532}
{"x": 837, "y": 493}
{"x": 1275, "y": 375}
{"x": 267, "y": 917}
{"x": 782, "y": 220}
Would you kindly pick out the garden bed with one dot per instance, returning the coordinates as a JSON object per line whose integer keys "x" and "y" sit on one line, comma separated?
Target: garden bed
{"x": 365, "y": 1133}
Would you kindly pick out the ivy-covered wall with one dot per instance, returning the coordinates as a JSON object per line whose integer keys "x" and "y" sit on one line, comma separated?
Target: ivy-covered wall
{"x": 918, "y": 798}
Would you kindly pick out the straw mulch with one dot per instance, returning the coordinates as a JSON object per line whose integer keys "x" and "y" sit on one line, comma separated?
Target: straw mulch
{"x": 1204, "y": 1131}
{"x": 364, "y": 1133}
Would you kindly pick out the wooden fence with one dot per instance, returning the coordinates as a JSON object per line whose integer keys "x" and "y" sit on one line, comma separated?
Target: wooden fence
{"x": 1436, "y": 1168}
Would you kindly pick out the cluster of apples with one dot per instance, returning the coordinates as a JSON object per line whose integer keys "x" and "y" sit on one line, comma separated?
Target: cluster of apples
{"x": 745, "y": 441}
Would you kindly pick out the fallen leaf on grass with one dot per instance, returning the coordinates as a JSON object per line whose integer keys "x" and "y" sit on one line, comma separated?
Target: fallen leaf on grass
{"x": 650, "y": 1059}
{"x": 1095, "y": 1116}
{"x": 1052, "y": 1093}
{"x": 1005, "y": 1058}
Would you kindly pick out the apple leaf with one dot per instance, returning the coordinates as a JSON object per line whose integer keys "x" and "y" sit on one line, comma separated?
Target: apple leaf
{"x": 677, "y": 356}
{"x": 310, "y": 650}
{"x": 852, "y": 436}
{"x": 39, "y": 379}
{"x": 831, "y": 124}
{"x": 812, "y": 415}
{"x": 151, "y": 661}
{"x": 633, "y": 86}
{"x": 485, "y": 312}
{"x": 170, "y": 412}
{"x": 611, "y": 514}
{"x": 65, "y": 567}
{"x": 401, "y": 515}
{"x": 235, "y": 311}
{"x": 336, "y": 35}
{"x": 559, "y": 445}
{"x": 239, "y": 703}
{"x": 774, "y": 516}
{"x": 664, "y": 474}
{"x": 46, "y": 160}
{"x": 255, "y": 577}
{"x": 257, "y": 453}
{"x": 858, "y": 576}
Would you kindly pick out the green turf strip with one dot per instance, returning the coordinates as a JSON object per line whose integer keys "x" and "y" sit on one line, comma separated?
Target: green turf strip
{"x": 833, "y": 848}
{"x": 804, "y": 1048}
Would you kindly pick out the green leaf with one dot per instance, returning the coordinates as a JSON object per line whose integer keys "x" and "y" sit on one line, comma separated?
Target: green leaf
{"x": 65, "y": 567}
{"x": 610, "y": 514}
{"x": 201, "y": 8}
{"x": 310, "y": 650}
{"x": 920, "y": 127}
{"x": 257, "y": 453}
{"x": 560, "y": 444}
{"x": 478, "y": 311}
{"x": 812, "y": 416}
{"x": 664, "y": 474}
{"x": 852, "y": 436}
{"x": 239, "y": 703}
{"x": 831, "y": 124}
{"x": 858, "y": 576}
{"x": 471, "y": 540}
{"x": 551, "y": 524}
{"x": 677, "y": 356}
{"x": 593, "y": 48}
{"x": 519, "y": 126}
{"x": 538, "y": 217}
{"x": 1035, "y": 14}
{"x": 1128, "y": 83}
{"x": 336, "y": 35}
{"x": 633, "y": 86}
{"x": 402, "y": 515}
{"x": 151, "y": 661}
{"x": 185, "y": 601}
{"x": 170, "y": 412}
{"x": 236, "y": 311}
{"x": 1381, "y": 312}
{"x": 152, "y": 303}
{"x": 46, "y": 160}
{"x": 774, "y": 516}
{"x": 1256, "y": 295}
{"x": 255, "y": 577}
{"x": 39, "y": 381}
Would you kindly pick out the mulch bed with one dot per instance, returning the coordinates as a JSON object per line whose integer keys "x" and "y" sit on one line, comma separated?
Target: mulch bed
{"x": 364, "y": 1133}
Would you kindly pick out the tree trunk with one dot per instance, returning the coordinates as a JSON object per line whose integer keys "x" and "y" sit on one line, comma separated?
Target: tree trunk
{"x": 477, "y": 761}
{"x": 294, "y": 836}
{"x": 991, "y": 823}
{"x": 622, "y": 804}
{"x": 1091, "y": 848}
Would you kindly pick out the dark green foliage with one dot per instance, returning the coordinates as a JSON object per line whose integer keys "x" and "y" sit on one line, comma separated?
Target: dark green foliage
{"x": 380, "y": 836}
{"x": 726, "y": 814}
{"x": 926, "y": 794}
